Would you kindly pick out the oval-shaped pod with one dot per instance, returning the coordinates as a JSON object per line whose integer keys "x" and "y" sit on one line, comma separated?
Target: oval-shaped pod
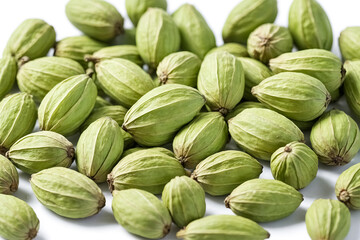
{"x": 347, "y": 187}
{"x": 9, "y": 177}
{"x": 8, "y": 70}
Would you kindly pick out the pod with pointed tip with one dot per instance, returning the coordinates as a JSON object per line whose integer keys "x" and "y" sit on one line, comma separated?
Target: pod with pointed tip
{"x": 347, "y": 187}
{"x": 349, "y": 43}
{"x": 136, "y": 8}
{"x": 67, "y": 193}
{"x": 236, "y": 49}
{"x": 8, "y": 70}
{"x": 352, "y": 85}
{"x": 9, "y": 177}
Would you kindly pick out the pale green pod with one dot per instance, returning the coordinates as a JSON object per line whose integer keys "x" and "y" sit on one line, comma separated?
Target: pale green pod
{"x": 309, "y": 25}
{"x": 242, "y": 106}
{"x": 67, "y": 105}
{"x": 96, "y": 18}
{"x": 32, "y": 39}
{"x": 196, "y": 35}
{"x": 159, "y": 149}
{"x": 255, "y": 72}
{"x": 352, "y": 85}
{"x": 180, "y": 67}
{"x": 39, "y": 76}
{"x": 222, "y": 172}
{"x": 185, "y": 200}
{"x": 8, "y": 70}
{"x": 294, "y": 95}
{"x": 128, "y": 52}
{"x": 136, "y": 8}
{"x": 147, "y": 169}
{"x": 327, "y": 219}
{"x": 203, "y": 136}
{"x": 347, "y": 188}
{"x": 76, "y": 48}
{"x": 128, "y": 139}
{"x": 156, "y": 117}
{"x": 156, "y": 36}
{"x": 67, "y": 193}
{"x": 321, "y": 64}
{"x": 9, "y": 177}
{"x": 349, "y": 43}
{"x": 264, "y": 200}
{"x": 116, "y": 112}
{"x": 99, "y": 149}
{"x": 221, "y": 80}
{"x": 101, "y": 102}
{"x": 18, "y": 221}
{"x": 236, "y": 49}
{"x": 295, "y": 164}
{"x": 260, "y": 132}
{"x": 17, "y": 118}
{"x": 269, "y": 41}
{"x": 123, "y": 80}
{"x": 141, "y": 213}
{"x": 41, "y": 150}
{"x": 224, "y": 227}
{"x": 246, "y": 17}
{"x": 335, "y": 138}
{"x": 127, "y": 38}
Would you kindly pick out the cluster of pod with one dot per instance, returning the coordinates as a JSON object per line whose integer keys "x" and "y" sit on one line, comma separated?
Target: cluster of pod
{"x": 130, "y": 95}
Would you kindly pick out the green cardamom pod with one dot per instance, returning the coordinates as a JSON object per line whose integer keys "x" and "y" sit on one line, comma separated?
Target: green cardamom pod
{"x": 236, "y": 49}
{"x": 67, "y": 105}
{"x": 8, "y": 70}
{"x": 41, "y": 150}
{"x": 67, "y": 193}
{"x": 101, "y": 102}
{"x": 9, "y": 177}
{"x": 136, "y": 8}
{"x": 141, "y": 213}
{"x": 39, "y": 76}
{"x": 352, "y": 85}
{"x": 264, "y": 200}
{"x": 196, "y": 35}
{"x": 242, "y": 106}
{"x": 222, "y": 172}
{"x": 203, "y": 136}
{"x": 18, "y": 219}
{"x": 147, "y": 169}
{"x": 185, "y": 200}
{"x": 159, "y": 149}
{"x": 348, "y": 186}
{"x": 349, "y": 43}
{"x": 246, "y": 17}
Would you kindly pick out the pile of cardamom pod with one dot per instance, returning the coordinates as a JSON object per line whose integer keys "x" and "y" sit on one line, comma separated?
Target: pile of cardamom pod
{"x": 154, "y": 107}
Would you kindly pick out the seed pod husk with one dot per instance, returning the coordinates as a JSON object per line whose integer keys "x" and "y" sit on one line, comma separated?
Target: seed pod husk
{"x": 148, "y": 169}
{"x": 18, "y": 219}
{"x": 335, "y": 138}
{"x": 99, "y": 149}
{"x": 352, "y": 85}
{"x": 141, "y": 213}
{"x": 269, "y": 41}
{"x": 295, "y": 164}
{"x": 255, "y": 72}
{"x": 221, "y": 80}
{"x": 32, "y": 39}
{"x": 222, "y": 172}
{"x": 309, "y": 25}
{"x": 349, "y": 43}
{"x": 76, "y": 48}
{"x": 136, "y": 8}
{"x": 180, "y": 67}
{"x": 128, "y": 52}
{"x": 318, "y": 63}
{"x": 196, "y": 35}
{"x": 156, "y": 36}
{"x": 236, "y": 49}
{"x": 225, "y": 227}
{"x": 348, "y": 186}
{"x": 17, "y": 118}
{"x": 123, "y": 81}
{"x": 203, "y": 136}
{"x": 101, "y": 102}
{"x": 9, "y": 177}
{"x": 242, "y": 106}
{"x": 294, "y": 95}
{"x": 185, "y": 200}
{"x": 264, "y": 200}
{"x": 327, "y": 219}
{"x": 41, "y": 150}
{"x": 67, "y": 193}
{"x": 39, "y": 76}
{"x": 8, "y": 69}
{"x": 67, "y": 105}
{"x": 260, "y": 132}
{"x": 166, "y": 108}
{"x": 97, "y": 19}
{"x": 246, "y": 17}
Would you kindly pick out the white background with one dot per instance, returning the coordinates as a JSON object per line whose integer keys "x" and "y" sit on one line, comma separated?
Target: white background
{"x": 103, "y": 226}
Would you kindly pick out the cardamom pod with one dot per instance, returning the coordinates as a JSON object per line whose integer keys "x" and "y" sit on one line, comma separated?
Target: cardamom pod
{"x": 349, "y": 43}
{"x": 236, "y": 49}
{"x": 8, "y": 69}
{"x": 352, "y": 85}
{"x": 67, "y": 193}
{"x": 242, "y": 106}
{"x": 348, "y": 185}
{"x": 136, "y": 8}
{"x": 9, "y": 177}
{"x": 101, "y": 102}
{"x": 159, "y": 149}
